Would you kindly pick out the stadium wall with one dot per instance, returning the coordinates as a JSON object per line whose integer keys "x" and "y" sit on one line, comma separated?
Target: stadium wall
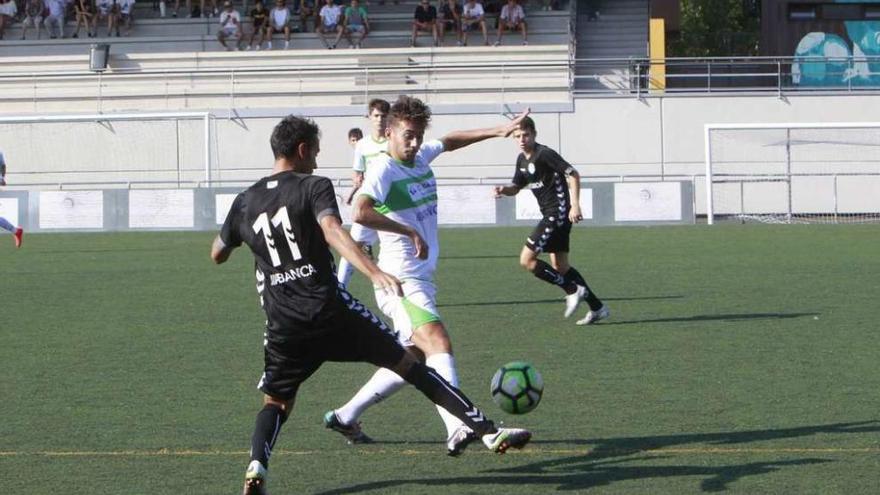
{"x": 605, "y": 138}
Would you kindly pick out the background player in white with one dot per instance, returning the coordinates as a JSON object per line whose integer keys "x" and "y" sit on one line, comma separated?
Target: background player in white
{"x": 556, "y": 185}
{"x": 366, "y": 150}
{"x": 17, "y": 232}
{"x": 399, "y": 199}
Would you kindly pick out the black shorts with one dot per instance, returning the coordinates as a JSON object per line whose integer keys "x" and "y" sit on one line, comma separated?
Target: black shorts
{"x": 353, "y": 334}
{"x": 550, "y": 236}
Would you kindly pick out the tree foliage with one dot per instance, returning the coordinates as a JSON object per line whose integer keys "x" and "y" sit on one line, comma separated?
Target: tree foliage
{"x": 716, "y": 28}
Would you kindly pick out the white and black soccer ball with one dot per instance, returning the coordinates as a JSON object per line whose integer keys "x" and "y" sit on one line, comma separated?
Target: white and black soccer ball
{"x": 517, "y": 387}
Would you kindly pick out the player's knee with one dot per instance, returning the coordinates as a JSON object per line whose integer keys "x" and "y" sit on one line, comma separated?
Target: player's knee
{"x": 528, "y": 262}
{"x": 285, "y": 405}
{"x": 432, "y": 338}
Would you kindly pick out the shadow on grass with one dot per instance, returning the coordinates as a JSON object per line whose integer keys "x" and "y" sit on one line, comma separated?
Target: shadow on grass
{"x": 558, "y": 300}
{"x": 732, "y": 317}
{"x": 602, "y": 466}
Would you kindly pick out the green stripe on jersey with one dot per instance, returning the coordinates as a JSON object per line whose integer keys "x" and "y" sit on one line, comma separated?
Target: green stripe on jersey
{"x": 401, "y": 196}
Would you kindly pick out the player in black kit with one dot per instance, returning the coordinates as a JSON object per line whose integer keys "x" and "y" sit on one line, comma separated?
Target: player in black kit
{"x": 289, "y": 220}
{"x": 556, "y": 186}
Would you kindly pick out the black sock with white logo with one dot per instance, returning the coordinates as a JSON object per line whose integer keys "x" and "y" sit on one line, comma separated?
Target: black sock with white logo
{"x": 266, "y": 429}
{"x": 548, "y": 274}
{"x": 442, "y": 393}
{"x": 572, "y": 275}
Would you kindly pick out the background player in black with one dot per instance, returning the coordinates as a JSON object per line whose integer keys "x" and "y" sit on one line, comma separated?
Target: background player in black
{"x": 288, "y": 220}
{"x": 556, "y": 186}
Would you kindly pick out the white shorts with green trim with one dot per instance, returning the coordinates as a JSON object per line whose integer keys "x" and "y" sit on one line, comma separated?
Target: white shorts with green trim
{"x": 416, "y": 308}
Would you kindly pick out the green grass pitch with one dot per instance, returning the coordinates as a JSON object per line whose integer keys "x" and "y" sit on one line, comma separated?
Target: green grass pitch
{"x": 738, "y": 359}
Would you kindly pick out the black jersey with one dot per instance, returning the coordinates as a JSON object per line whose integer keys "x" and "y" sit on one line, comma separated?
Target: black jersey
{"x": 277, "y": 218}
{"x": 545, "y": 174}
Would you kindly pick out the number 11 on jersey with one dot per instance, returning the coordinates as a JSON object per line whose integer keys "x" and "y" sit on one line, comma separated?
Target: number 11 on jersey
{"x": 281, "y": 219}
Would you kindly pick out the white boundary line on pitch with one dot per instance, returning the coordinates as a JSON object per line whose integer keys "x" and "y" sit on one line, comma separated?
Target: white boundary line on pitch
{"x": 528, "y": 451}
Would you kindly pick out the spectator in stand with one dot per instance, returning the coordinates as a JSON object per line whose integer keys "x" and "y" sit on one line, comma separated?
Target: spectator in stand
{"x": 8, "y": 9}
{"x": 355, "y": 22}
{"x": 259, "y": 18}
{"x": 279, "y": 22}
{"x": 424, "y": 19}
{"x": 330, "y": 21}
{"x": 126, "y": 16}
{"x": 33, "y": 17}
{"x": 450, "y": 19}
{"x": 211, "y": 10}
{"x": 55, "y": 20}
{"x": 307, "y": 9}
{"x": 230, "y": 26}
{"x": 472, "y": 17}
{"x": 512, "y": 18}
{"x": 84, "y": 10}
{"x": 107, "y": 9}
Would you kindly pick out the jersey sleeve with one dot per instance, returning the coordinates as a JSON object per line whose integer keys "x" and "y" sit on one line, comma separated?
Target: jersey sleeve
{"x": 359, "y": 165}
{"x": 377, "y": 183}
{"x": 556, "y": 162}
{"x": 322, "y": 198}
{"x": 230, "y": 233}
{"x": 429, "y": 150}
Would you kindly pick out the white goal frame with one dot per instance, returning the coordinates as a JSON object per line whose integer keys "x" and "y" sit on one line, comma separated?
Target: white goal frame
{"x": 707, "y": 133}
{"x": 102, "y": 117}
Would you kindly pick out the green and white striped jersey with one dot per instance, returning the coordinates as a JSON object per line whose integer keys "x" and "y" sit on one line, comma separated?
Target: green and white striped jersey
{"x": 366, "y": 150}
{"x": 407, "y": 194}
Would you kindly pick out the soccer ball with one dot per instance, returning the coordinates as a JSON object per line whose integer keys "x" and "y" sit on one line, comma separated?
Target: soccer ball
{"x": 517, "y": 387}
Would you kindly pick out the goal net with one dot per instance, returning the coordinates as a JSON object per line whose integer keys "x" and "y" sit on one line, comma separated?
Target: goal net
{"x": 793, "y": 173}
{"x": 126, "y": 150}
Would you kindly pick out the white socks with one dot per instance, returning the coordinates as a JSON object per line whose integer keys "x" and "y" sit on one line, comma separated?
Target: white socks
{"x": 343, "y": 273}
{"x": 5, "y": 225}
{"x": 383, "y": 384}
{"x": 444, "y": 364}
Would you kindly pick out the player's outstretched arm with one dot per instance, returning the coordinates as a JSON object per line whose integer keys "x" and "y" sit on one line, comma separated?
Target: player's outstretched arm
{"x": 364, "y": 213}
{"x": 220, "y": 251}
{"x": 340, "y": 240}
{"x": 508, "y": 190}
{"x": 459, "y": 139}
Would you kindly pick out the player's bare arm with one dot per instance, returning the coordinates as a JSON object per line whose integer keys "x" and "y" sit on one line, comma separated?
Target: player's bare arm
{"x": 574, "y": 188}
{"x": 459, "y": 139}
{"x": 508, "y": 190}
{"x": 357, "y": 179}
{"x": 220, "y": 251}
{"x": 340, "y": 240}
{"x": 364, "y": 213}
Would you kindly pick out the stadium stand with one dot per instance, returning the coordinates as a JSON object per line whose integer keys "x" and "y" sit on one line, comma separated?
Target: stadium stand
{"x": 150, "y": 34}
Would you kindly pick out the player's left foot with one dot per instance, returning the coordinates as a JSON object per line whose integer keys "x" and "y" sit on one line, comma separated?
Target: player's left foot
{"x": 595, "y": 316}
{"x": 459, "y": 440}
{"x": 352, "y": 432}
{"x": 506, "y": 438}
{"x": 19, "y": 232}
{"x": 255, "y": 479}
{"x": 573, "y": 300}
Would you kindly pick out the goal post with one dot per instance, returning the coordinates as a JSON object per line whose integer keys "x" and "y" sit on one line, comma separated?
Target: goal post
{"x": 158, "y": 147}
{"x": 793, "y": 172}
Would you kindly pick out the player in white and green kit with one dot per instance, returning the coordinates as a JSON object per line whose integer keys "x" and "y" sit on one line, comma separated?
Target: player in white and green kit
{"x": 398, "y": 198}
{"x": 366, "y": 150}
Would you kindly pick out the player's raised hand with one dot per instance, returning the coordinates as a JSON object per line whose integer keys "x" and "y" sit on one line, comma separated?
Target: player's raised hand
{"x": 514, "y": 124}
{"x": 498, "y": 191}
{"x": 386, "y": 282}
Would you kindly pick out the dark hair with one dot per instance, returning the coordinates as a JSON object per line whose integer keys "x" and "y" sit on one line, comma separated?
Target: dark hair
{"x": 290, "y": 132}
{"x": 355, "y": 132}
{"x": 527, "y": 124}
{"x": 379, "y": 104}
{"x": 411, "y": 110}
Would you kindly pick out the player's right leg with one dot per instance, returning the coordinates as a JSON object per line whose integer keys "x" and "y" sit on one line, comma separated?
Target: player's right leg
{"x": 285, "y": 368}
{"x": 552, "y": 236}
{"x": 17, "y": 232}
{"x": 368, "y": 339}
